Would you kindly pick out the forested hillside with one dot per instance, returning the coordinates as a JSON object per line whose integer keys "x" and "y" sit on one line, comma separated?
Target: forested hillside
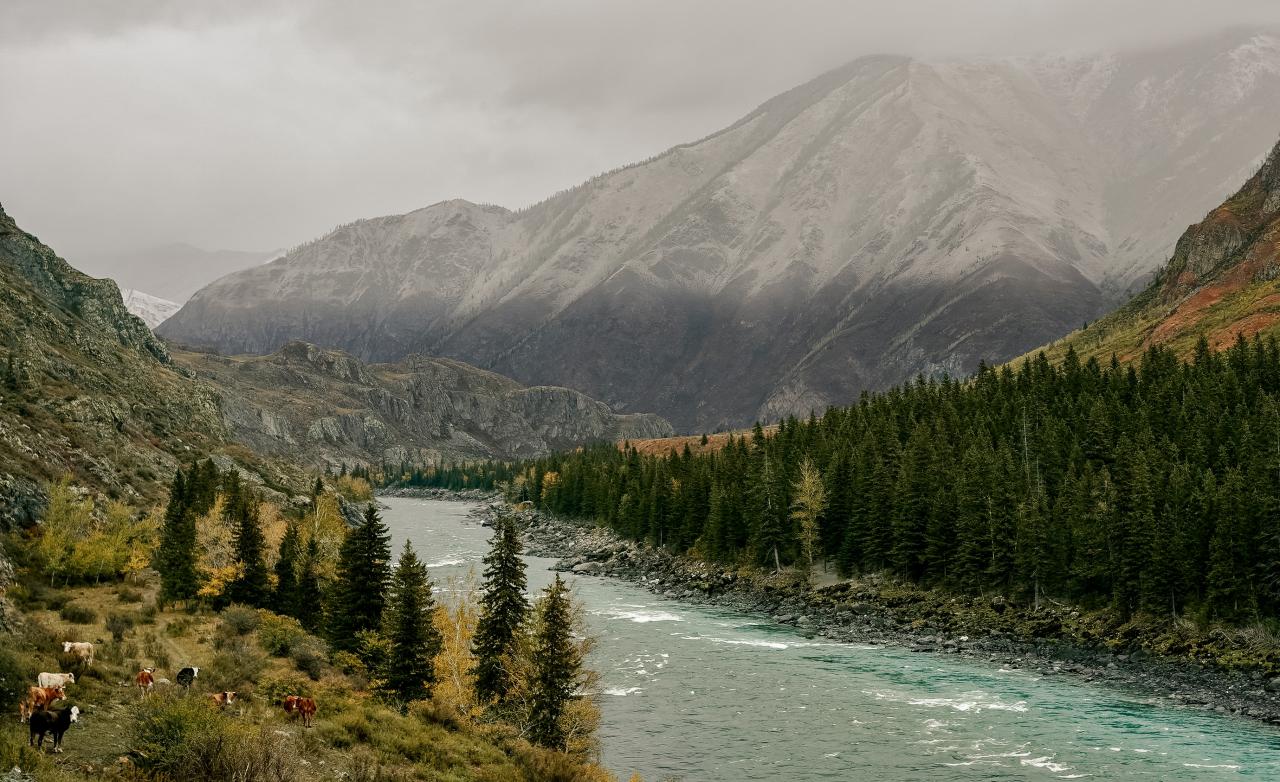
{"x": 1152, "y": 487}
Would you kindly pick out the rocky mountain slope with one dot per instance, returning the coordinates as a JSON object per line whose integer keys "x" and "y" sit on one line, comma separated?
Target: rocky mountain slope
{"x": 85, "y": 388}
{"x": 891, "y": 217}
{"x": 153, "y": 310}
{"x": 316, "y": 405}
{"x": 1222, "y": 281}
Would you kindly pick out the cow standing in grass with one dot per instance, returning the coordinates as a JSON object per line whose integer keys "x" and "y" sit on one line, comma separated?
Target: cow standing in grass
{"x": 55, "y": 679}
{"x": 38, "y": 699}
{"x": 83, "y": 650}
{"x": 55, "y": 721}
{"x": 187, "y": 675}
{"x": 145, "y": 680}
{"x": 295, "y": 705}
{"x": 223, "y": 699}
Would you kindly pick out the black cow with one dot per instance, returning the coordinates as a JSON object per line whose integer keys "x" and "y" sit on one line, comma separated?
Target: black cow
{"x": 187, "y": 675}
{"x": 55, "y": 721}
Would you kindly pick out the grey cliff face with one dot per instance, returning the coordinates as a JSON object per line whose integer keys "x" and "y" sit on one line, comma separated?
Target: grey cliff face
{"x": 316, "y": 405}
{"x": 891, "y": 217}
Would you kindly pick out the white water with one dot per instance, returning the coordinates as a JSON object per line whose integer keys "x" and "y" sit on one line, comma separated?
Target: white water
{"x": 700, "y": 693}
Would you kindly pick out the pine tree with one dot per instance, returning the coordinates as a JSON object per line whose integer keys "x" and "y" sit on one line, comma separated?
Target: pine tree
{"x": 252, "y": 586}
{"x": 771, "y": 533}
{"x": 287, "y": 570}
{"x": 410, "y": 630}
{"x": 176, "y": 555}
{"x": 503, "y": 610}
{"x": 361, "y": 590}
{"x": 309, "y": 606}
{"x": 557, "y": 667}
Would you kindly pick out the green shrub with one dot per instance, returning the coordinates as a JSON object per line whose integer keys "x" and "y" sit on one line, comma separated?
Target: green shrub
{"x": 278, "y": 634}
{"x": 235, "y": 667}
{"x": 273, "y": 689}
{"x": 182, "y": 738}
{"x": 128, "y": 594}
{"x": 78, "y": 614}
{"x": 118, "y": 624}
{"x": 178, "y": 627}
{"x": 237, "y": 620}
{"x": 148, "y": 614}
{"x": 309, "y": 656}
{"x": 15, "y": 676}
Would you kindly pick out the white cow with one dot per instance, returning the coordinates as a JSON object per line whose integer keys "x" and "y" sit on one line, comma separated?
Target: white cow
{"x": 81, "y": 649}
{"x": 55, "y": 679}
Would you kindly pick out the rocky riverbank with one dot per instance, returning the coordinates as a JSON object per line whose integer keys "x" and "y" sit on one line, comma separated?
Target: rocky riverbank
{"x": 1188, "y": 670}
{"x": 432, "y": 493}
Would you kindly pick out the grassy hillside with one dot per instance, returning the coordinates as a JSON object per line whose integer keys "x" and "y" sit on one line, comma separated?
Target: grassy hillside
{"x": 177, "y": 735}
{"x": 1222, "y": 282}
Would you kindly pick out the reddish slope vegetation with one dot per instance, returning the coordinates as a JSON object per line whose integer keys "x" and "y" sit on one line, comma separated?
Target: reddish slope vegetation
{"x": 1222, "y": 281}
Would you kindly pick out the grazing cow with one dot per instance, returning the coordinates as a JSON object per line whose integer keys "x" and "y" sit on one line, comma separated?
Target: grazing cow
{"x": 145, "y": 680}
{"x": 296, "y": 704}
{"x": 223, "y": 699}
{"x": 55, "y": 721}
{"x": 55, "y": 679}
{"x": 39, "y": 698}
{"x": 187, "y": 675}
{"x": 81, "y": 649}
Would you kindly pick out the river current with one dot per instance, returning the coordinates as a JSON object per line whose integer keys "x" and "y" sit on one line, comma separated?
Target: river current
{"x": 699, "y": 693}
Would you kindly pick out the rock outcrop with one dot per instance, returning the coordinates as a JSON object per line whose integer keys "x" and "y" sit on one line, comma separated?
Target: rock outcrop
{"x": 325, "y": 406}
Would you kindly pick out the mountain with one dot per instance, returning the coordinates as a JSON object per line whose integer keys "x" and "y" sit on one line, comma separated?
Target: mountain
{"x": 1222, "y": 282}
{"x": 315, "y": 405}
{"x": 87, "y": 391}
{"x": 153, "y": 310}
{"x": 892, "y": 217}
{"x": 172, "y": 271}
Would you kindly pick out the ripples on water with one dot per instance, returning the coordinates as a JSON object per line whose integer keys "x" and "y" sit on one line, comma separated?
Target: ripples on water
{"x": 701, "y": 693}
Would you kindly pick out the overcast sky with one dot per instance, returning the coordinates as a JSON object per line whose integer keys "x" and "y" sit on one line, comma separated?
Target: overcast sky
{"x": 258, "y": 125}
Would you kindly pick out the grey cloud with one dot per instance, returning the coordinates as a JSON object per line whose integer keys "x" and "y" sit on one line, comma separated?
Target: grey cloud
{"x": 261, "y": 124}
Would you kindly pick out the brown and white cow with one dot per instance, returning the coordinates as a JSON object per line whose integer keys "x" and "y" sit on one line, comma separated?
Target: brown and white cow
{"x": 223, "y": 699}
{"x": 297, "y": 704}
{"x": 83, "y": 650}
{"x": 38, "y": 699}
{"x": 145, "y": 680}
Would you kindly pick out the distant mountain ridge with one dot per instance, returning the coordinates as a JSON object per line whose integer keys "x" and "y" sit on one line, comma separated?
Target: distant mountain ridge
{"x": 1222, "y": 283}
{"x": 891, "y": 217}
{"x": 88, "y": 391}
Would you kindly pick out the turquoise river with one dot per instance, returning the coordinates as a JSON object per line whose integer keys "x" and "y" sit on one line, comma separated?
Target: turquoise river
{"x": 697, "y": 693}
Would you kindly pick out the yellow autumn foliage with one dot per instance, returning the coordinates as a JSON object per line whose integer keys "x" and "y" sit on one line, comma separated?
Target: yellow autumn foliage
{"x": 456, "y": 616}
{"x": 215, "y": 550}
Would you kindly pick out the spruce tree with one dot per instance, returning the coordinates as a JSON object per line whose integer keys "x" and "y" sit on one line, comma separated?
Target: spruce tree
{"x": 408, "y": 627}
{"x": 287, "y": 570}
{"x": 309, "y": 606}
{"x": 360, "y": 593}
{"x": 175, "y": 557}
{"x": 252, "y": 587}
{"x": 557, "y": 667}
{"x": 503, "y": 609}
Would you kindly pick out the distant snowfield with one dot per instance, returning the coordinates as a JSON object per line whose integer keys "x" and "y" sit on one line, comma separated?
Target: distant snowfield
{"x": 152, "y": 309}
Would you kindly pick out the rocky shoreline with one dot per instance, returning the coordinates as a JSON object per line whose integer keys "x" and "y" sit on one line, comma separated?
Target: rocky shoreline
{"x": 872, "y": 612}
